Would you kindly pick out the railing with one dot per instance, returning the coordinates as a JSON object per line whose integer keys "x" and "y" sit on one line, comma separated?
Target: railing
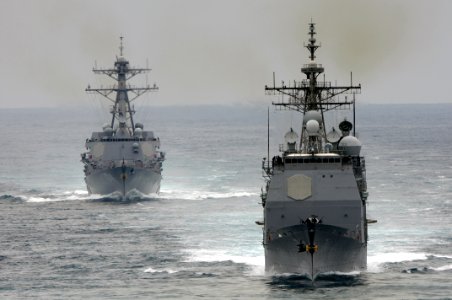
{"x": 135, "y": 139}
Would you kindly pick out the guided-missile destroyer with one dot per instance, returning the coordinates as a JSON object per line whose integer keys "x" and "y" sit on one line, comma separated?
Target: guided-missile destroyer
{"x": 123, "y": 157}
{"x": 314, "y": 200}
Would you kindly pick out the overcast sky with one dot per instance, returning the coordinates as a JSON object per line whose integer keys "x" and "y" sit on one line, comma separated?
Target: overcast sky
{"x": 220, "y": 52}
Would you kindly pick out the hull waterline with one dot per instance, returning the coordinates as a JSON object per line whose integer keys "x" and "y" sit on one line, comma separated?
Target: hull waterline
{"x": 122, "y": 181}
{"x": 337, "y": 252}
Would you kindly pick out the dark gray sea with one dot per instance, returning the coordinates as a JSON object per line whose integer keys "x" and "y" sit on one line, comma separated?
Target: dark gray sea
{"x": 198, "y": 239}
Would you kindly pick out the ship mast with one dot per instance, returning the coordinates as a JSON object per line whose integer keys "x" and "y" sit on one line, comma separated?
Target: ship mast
{"x": 122, "y": 112}
{"x": 312, "y": 94}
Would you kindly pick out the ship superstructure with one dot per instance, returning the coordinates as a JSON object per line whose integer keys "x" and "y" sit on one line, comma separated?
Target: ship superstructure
{"x": 314, "y": 200}
{"x": 123, "y": 157}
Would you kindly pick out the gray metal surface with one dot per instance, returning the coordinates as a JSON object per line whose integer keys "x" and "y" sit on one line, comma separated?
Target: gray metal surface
{"x": 314, "y": 200}
{"x": 123, "y": 157}
{"x": 338, "y": 251}
{"x": 109, "y": 181}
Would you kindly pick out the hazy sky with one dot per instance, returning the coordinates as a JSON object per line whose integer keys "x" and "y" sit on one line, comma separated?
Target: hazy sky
{"x": 220, "y": 52}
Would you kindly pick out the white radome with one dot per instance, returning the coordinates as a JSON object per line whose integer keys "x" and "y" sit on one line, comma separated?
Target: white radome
{"x": 350, "y": 145}
{"x": 312, "y": 127}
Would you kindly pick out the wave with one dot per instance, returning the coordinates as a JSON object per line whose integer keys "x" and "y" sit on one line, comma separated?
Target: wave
{"x": 219, "y": 255}
{"x": 152, "y": 270}
{"x": 256, "y": 264}
{"x": 203, "y": 195}
{"x": 392, "y": 257}
{"x": 36, "y": 196}
{"x": 443, "y": 268}
{"x": 427, "y": 270}
{"x": 376, "y": 262}
{"x": 133, "y": 196}
{"x": 8, "y": 197}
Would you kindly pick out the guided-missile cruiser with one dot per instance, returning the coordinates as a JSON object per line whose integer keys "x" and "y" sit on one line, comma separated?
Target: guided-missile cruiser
{"x": 315, "y": 193}
{"x": 123, "y": 157}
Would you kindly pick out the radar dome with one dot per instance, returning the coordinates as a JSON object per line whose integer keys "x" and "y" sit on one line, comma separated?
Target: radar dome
{"x": 333, "y": 136}
{"x": 139, "y": 125}
{"x": 291, "y": 136}
{"x": 312, "y": 127}
{"x": 108, "y": 131}
{"x": 136, "y": 147}
{"x": 138, "y": 131}
{"x": 350, "y": 145}
{"x": 312, "y": 115}
{"x": 345, "y": 126}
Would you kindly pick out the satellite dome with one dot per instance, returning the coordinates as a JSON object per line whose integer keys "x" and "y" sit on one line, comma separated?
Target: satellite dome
{"x": 136, "y": 147}
{"x": 312, "y": 127}
{"x": 108, "y": 131}
{"x": 350, "y": 145}
{"x": 291, "y": 136}
{"x": 345, "y": 126}
{"x": 139, "y": 125}
{"x": 312, "y": 115}
{"x": 138, "y": 131}
{"x": 333, "y": 136}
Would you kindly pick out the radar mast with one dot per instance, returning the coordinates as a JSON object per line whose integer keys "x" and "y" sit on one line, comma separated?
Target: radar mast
{"x": 122, "y": 112}
{"x": 312, "y": 94}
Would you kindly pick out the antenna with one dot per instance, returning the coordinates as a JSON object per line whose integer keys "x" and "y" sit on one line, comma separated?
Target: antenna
{"x": 268, "y": 136}
{"x": 354, "y": 116}
{"x": 121, "y": 46}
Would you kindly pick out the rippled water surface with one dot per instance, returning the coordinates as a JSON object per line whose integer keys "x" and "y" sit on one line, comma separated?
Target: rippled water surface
{"x": 197, "y": 238}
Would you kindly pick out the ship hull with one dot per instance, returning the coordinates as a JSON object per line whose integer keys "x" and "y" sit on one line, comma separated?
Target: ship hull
{"x": 338, "y": 251}
{"x": 123, "y": 180}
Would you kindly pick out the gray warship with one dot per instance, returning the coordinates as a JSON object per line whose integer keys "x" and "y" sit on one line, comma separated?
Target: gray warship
{"x": 314, "y": 199}
{"x": 123, "y": 157}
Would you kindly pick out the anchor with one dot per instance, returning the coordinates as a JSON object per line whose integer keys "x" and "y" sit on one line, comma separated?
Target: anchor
{"x": 310, "y": 248}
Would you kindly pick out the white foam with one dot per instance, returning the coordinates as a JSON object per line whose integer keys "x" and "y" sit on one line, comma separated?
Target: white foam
{"x": 351, "y": 273}
{"x": 442, "y": 256}
{"x": 62, "y": 196}
{"x": 374, "y": 262}
{"x": 443, "y": 268}
{"x": 203, "y": 195}
{"x": 257, "y": 263}
{"x": 40, "y": 199}
{"x": 164, "y": 194}
{"x": 76, "y": 192}
{"x": 152, "y": 270}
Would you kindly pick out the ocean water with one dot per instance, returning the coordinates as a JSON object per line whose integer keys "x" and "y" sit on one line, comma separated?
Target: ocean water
{"x": 197, "y": 239}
